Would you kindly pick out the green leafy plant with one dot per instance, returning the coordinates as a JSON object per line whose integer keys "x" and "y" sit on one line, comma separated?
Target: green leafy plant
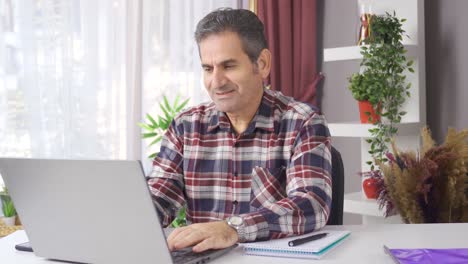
{"x": 382, "y": 80}
{"x": 155, "y": 128}
{"x": 180, "y": 220}
{"x": 364, "y": 87}
{"x": 8, "y": 208}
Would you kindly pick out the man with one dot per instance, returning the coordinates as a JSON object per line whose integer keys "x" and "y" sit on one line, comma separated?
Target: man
{"x": 251, "y": 165}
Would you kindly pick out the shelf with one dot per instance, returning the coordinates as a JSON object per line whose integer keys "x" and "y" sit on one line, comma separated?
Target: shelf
{"x": 362, "y": 130}
{"x": 356, "y": 203}
{"x": 354, "y": 53}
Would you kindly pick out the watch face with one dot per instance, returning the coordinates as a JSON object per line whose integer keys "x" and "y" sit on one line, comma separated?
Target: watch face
{"x": 235, "y": 220}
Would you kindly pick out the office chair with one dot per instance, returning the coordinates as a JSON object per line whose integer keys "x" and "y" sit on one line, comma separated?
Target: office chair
{"x": 336, "y": 212}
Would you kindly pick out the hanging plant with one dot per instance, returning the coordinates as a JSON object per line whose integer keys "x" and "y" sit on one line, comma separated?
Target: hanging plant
{"x": 382, "y": 81}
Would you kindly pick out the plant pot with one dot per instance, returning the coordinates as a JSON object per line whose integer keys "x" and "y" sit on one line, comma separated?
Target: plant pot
{"x": 370, "y": 187}
{"x": 365, "y": 107}
{"x": 9, "y": 221}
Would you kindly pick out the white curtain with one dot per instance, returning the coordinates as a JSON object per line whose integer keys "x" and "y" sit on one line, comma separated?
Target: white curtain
{"x": 77, "y": 75}
{"x": 63, "y": 79}
{"x": 171, "y": 64}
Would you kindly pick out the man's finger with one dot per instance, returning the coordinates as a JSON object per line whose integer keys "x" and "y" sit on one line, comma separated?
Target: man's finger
{"x": 187, "y": 241}
{"x": 186, "y": 238}
{"x": 175, "y": 236}
{"x": 204, "y": 245}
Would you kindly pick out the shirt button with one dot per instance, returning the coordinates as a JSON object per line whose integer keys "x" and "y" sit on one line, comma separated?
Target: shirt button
{"x": 236, "y": 144}
{"x": 235, "y": 202}
{"x": 235, "y": 174}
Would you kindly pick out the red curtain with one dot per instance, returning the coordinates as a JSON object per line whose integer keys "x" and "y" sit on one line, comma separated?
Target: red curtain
{"x": 290, "y": 28}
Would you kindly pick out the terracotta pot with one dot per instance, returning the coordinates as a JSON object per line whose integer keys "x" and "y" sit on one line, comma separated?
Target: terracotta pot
{"x": 366, "y": 106}
{"x": 370, "y": 187}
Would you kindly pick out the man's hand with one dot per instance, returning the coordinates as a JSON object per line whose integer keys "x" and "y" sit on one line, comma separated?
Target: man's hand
{"x": 203, "y": 236}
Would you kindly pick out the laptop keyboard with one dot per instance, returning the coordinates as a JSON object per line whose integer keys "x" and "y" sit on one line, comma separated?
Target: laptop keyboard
{"x": 186, "y": 255}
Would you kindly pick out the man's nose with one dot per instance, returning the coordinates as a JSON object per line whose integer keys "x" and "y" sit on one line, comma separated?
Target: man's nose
{"x": 218, "y": 79}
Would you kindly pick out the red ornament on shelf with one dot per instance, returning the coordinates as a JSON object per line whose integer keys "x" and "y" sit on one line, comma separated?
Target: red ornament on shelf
{"x": 370, "y": 187}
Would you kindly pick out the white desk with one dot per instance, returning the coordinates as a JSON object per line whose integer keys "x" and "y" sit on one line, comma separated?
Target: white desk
{"x": 365, "y": 245}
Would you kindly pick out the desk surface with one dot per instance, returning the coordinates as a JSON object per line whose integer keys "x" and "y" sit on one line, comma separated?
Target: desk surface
{"x": 365, "y": 245}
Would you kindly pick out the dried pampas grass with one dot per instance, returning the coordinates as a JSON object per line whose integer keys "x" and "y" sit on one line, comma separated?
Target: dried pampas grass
{"x": 429, "y": 187}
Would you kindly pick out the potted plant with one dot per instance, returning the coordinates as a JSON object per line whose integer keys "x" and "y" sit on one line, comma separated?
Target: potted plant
{"x": 155, "y": 128}
{"x": 381, "y": 84}
{"x": 8, "y": 209}
{"x": 368, "y": 95}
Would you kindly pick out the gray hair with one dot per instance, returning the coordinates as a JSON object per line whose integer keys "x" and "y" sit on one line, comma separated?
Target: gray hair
{"x": 241, "y": 21}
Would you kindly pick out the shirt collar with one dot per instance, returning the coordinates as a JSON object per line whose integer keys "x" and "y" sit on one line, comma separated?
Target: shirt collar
{"x": 263, "y": 119}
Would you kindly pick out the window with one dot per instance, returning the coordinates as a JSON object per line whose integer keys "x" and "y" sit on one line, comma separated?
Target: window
{"x": 77, "y": 75}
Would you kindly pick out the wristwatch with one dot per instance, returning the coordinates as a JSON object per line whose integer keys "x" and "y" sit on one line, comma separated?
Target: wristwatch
{"x": 237, "y": 223}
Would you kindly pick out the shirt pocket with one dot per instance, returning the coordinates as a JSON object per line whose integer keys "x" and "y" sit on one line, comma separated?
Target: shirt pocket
{"x": 268, "y": 186}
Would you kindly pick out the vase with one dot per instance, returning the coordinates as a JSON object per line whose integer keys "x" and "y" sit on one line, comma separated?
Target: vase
{"x": 365, "y": 16}
{"x": 9, "y": 221}
{"x": 366, "y": 109}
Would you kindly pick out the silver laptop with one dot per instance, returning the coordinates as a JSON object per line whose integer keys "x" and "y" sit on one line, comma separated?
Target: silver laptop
{"x": 90, "y": 211}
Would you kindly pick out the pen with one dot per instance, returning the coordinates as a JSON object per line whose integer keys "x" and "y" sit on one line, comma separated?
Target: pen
{"x": 300, "y": 241}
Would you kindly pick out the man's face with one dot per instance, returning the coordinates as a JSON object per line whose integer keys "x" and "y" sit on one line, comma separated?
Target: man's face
{"x": 233, "y": 82}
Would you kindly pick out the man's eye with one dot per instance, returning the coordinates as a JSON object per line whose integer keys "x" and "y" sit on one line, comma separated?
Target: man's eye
{"x": 207, "y": 69}
{"x": 229, "y": 66}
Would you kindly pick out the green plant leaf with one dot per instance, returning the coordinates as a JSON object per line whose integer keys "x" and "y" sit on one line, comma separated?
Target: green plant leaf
{"x": 166, "y": 112}
{"x": 8, "y": 208}
{"x": 145, "y": 126}
{"x": 180, "y": 107}
{"x": 166, "y": 103}
{"x": 157, "y": 126}
{"x": 164, "y": 123}
{"x": 161, "y": 121}
{"x": 176, "y": 102}
{"x": 148, "y": 135}
{"x": 150, "y": 118}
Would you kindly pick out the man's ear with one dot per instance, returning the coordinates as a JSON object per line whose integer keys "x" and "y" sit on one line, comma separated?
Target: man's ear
{"x": 264, "y": 63}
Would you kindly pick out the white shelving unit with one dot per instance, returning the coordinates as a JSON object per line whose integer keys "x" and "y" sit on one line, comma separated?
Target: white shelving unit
{"x": 409, "y": 129}
{"x": 362, "y": 130}
{"x": 369, "y": 209}
{"x": 354, "y": 53}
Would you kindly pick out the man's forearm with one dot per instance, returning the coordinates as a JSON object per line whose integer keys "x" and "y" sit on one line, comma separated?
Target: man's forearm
{"x": 288, "y": 217}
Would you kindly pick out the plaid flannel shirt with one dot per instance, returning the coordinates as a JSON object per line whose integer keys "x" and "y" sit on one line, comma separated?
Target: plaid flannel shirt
{"x": 276, "y": 175}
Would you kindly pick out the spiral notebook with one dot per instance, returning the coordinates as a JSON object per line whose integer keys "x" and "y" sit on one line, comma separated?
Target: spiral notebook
{"x": 314, "y": 250}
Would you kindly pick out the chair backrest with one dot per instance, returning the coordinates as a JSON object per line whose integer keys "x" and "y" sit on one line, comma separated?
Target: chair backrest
{"x": 336, "y": 213}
